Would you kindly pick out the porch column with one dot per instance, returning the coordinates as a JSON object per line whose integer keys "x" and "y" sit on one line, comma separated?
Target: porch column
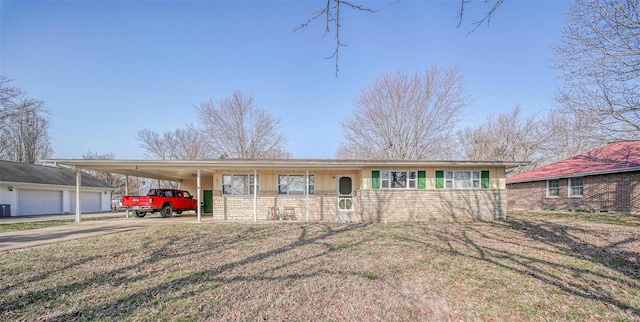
{"x": 255, "y": 195}
{"x": 78, "y": 201}
{"x": 126, "y": 190}
{"x": 199, "y": 191}
{"x": 306, "y": 195}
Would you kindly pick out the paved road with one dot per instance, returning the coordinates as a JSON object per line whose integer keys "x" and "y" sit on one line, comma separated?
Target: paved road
{"x": 34, "y": 237}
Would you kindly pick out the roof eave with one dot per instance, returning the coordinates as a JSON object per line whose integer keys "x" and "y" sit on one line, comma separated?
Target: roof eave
{"x": 279, "y": 164}
{"x": 575, "y": 175}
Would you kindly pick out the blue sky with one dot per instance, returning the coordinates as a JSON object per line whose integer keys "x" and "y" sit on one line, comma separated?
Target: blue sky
{"x": 109, "y": 68}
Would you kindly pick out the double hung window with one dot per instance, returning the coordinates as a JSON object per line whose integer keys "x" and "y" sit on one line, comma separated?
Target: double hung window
{"x": 461, "y": 179}
{"x": 576, "y": 187}
{"x": 401, "y": 179}
{"x": 293, "y": 184}
{"x": 238, "y": 184}
{"x": 553, "y": 188}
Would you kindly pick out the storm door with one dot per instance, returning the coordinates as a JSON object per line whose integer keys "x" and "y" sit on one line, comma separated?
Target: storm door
{"x": 345, "y": 194}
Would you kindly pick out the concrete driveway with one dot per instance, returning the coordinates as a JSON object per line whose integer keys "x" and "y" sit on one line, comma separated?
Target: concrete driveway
{"x": 34, "y": 237}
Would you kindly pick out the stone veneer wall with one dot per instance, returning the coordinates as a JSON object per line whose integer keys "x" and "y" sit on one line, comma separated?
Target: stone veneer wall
{"x": 322, "y": 206}
{"x": 373, "y": 205}
{"x": 619, "y": 192}
{"x": 432, "y": 205}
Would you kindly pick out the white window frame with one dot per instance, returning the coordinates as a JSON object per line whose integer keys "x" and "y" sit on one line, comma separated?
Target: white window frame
{"x": 556, "y": 188}
{"x": 411, "y": 181}
{"x": 572, "y": 187}
{"x": 474, "y": 181}
{"x": 247, "y": 179}
{"x": 312, "y": 184}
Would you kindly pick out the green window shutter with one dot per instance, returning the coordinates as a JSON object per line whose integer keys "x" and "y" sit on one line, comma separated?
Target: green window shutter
{"x": 422, "y": 179}
{"x": 375, "y": 179}
{"x": 485, "y": 179}
{"x": 439, "y": 179}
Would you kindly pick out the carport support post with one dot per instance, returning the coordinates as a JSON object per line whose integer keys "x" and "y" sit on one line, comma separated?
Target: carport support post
{"x": 255, "y": 195}
{"x": 78, "y": 185}
{"x": 126, "y": 190}
{"x": 306, "y": 195}
{"x": 198, "y": 198}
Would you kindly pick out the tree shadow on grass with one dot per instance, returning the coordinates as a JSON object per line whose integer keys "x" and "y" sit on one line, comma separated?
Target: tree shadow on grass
{"x": 546, "y": 251}
{"x": 159, "y": 253}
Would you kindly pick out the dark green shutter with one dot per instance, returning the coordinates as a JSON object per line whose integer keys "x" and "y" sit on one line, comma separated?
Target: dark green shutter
{"x": 422, "y": 180}
{"x": 439, "y": 179}
{"x": 485, "y": 179}
{"x": 375, "y": 179}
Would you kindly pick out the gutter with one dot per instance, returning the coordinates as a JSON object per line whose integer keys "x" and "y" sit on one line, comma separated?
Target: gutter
{"x": 575, "y": 175}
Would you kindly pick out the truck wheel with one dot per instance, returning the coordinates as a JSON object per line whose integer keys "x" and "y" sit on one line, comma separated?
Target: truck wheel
{"x": 139, "y": 214}
{"x": 166, "y": 211}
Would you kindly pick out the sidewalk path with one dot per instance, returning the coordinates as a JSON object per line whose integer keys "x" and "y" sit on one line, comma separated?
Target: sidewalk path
{"x": 34, "y": 237}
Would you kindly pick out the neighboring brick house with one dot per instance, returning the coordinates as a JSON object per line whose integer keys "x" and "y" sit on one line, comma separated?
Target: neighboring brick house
{"x": 328, "y": 189}
{"x": 603, "y": 180}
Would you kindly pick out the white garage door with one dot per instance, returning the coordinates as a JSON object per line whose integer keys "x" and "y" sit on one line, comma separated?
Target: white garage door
{"x": 91, "y": 202}
{"x": 39, "y": 202}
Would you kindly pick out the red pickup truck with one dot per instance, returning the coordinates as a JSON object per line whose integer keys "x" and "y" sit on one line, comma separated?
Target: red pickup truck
{"x": 165, "y": 201}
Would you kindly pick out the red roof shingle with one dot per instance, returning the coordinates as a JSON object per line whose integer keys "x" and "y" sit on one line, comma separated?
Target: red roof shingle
{"x": 619, "y": 156}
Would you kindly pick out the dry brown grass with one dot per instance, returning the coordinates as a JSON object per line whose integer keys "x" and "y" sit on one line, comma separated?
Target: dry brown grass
{"x": 528, "y": 267}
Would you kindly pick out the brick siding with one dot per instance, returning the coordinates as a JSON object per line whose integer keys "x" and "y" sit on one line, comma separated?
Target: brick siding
{"x": 619, "y": 192}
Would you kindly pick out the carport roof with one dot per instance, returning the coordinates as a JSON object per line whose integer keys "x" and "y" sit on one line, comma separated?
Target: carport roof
{"x": 177, "y": 170}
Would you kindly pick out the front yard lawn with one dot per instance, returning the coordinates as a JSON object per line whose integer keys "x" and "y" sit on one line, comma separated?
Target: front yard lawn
{"x": 531, "y": 266}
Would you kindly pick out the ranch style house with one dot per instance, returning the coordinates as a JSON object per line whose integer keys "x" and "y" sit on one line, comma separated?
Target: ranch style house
{"x": 328, "y": 189}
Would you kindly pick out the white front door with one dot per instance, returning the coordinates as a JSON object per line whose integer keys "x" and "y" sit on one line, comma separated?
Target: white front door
{"x": 345, "y": 193}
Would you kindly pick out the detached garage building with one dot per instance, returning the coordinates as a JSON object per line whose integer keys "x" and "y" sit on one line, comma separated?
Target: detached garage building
{"x": 29, "y": 189}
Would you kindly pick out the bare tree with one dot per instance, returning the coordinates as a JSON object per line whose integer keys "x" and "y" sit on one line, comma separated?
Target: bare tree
{"x": 508, "y": 137}
{"x": 331, "y": 14}
{"x": 406, "y": 116}
{"x": 236, "y": 128}
{"x": 25, "y": 132}
{"x": 180, "y": 144}
{"x": 9, "y": 96}
{"x": 600, "y": 57}
{"x": 540, "y": 139}
{"x": 486, "y": 18}
{"x": 569, "y": 134}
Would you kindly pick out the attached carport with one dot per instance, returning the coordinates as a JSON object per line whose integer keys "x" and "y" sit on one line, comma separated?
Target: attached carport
{"x": 177, "y": 171}
{"x": 202, "y": 171}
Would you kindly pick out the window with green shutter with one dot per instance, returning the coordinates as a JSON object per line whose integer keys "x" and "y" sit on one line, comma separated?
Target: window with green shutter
{"x": 485, "y": 179}
{"x": 439, "y": 179}
{"x": 422, "y": 179}
{"x": 375, "y": 179}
